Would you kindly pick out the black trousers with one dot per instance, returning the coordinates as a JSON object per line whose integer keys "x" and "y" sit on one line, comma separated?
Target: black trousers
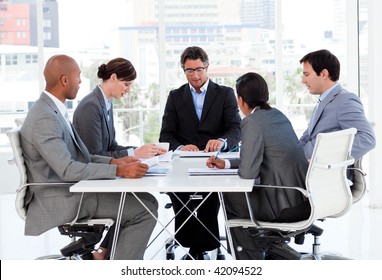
{"x": 193, "y": 234}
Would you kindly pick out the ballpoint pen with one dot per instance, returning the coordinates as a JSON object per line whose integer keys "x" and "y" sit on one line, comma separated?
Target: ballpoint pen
{"x": 220, "y": 149}
{"x": 234, "y": 149}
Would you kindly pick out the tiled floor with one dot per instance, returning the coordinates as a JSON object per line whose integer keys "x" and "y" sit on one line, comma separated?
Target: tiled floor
{"x": 356, "y": 235}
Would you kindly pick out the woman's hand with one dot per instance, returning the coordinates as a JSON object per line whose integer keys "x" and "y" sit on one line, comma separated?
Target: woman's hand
{"x": 148, "y": 151}
{"x": 218, "y": 163}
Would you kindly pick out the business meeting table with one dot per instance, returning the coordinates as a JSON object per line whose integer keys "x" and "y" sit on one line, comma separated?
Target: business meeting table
{"x": 178, "y": 179}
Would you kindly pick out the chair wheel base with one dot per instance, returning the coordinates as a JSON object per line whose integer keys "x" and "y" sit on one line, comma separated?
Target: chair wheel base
{"x": 220, "y": 257}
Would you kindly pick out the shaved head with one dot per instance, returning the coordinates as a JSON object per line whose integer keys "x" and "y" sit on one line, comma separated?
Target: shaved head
{"x": 62, "y": 77}
{"x": 57, "y": 66}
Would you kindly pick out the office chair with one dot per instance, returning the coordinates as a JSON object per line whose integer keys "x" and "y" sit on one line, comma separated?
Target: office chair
{"x": 85, "y": 234}
{"x": 358, "y": 190}
{"x": 327, "y": 190}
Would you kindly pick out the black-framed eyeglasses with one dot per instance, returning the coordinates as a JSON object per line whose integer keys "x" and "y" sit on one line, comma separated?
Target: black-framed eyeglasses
{"x": 190, "y": 71}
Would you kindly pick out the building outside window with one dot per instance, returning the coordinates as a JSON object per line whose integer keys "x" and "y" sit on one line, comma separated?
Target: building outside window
{"x": 239, "y": 36}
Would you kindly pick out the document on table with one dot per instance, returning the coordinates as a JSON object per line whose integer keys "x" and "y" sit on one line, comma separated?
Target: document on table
{"x": 194, "y": 153}
{"x": 157, "y": 171}
{"x": 151, "y": 161}
{"x": 211, "y": 171}
{"x": 204, "y": 154}
{"x": 167, "y": 157}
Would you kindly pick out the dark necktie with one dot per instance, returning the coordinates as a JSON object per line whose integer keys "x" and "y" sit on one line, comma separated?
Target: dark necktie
{"x": 108, "y": 114}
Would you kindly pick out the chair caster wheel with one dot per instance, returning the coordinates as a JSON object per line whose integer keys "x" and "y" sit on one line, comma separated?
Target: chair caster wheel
{"x": 170, "y": 256}
{"x": 220, "y": 257}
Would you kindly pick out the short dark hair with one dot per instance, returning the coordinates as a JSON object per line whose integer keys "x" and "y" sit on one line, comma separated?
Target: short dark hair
{"x": 253, "y": 89}
{"x": 123, "y": 68}
{"x": 193, "y": 53}
{"x": 323, "y": 59}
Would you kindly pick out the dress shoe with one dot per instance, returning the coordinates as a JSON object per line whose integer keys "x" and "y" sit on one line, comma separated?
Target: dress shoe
{"x": 282, "y": 251}
{"x": 196, "y": 255}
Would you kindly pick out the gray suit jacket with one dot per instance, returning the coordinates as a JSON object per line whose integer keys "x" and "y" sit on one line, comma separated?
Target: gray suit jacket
{"x": 271, "y": 154}
{"x": 52, "y": 154}
{"x": 97, "y": 131}
{"x": 340, "y": 110}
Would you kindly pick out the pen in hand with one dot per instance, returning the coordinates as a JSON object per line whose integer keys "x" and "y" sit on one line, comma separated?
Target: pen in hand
{"x": 220, "y": 149}
{"x": 234, "y": 149}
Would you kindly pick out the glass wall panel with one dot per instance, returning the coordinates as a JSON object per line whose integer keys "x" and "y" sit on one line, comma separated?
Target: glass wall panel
{"x": 18, "y": 68}
{"x": 239, "y": 36}
{"x": 309, "y": 26}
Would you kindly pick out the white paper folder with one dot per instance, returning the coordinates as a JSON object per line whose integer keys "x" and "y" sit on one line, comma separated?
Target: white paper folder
{"x": 211, "y": 171}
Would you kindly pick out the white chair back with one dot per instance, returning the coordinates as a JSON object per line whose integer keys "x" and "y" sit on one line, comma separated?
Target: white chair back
{"x": 326, "y": 178}
{"x": 14, "y": 139}
{"x": 358, "y": 189}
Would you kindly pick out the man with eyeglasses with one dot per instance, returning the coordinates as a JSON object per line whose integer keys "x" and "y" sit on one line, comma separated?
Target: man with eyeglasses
{"x": 200, "y": 115}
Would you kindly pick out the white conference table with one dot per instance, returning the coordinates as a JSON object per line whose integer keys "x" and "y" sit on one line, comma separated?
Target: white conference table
{"x": 177, "y": 180}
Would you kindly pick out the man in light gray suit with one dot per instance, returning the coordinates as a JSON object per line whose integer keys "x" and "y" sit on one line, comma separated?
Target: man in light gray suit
{"x": 54, "y": 152}
{"x": 337, "y": 109}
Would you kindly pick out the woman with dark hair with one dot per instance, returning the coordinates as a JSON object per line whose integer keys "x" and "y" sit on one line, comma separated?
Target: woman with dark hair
{"x": 270, "y": 153}
{"x": 93, "y": 117}
{"x": 94, "y": 122}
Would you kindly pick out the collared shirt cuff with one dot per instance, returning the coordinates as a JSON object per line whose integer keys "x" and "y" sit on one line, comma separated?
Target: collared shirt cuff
{"x": 130, "y": 152}
{"x": 225, "y": 143}
{"x": 227, "y": 164}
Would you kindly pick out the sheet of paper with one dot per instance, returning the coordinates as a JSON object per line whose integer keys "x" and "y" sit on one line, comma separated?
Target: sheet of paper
{"x": 167, "y": 157}
{"x": 211, "y": 171}
{"x": 203, "y": 154}
{"x": 194, "y": 154}
{"x": 151, "y": 161}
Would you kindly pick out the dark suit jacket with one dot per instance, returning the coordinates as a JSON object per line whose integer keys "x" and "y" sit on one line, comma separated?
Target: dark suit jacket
{"x": 181, "y": 126}
{"x": 91, "y": 122}
{"x": 220, "y": 118}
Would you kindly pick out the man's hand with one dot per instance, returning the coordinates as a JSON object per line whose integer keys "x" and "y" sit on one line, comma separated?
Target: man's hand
{"x": 219, "y": 163}
{"x": 148, "y": 151}
{"x": 129, "y": 167}
{"x": 190, "y": 148}
{"x": 213, "y": 145}
{"x": 132, "y": 170}
{"x": 123, "y": 160}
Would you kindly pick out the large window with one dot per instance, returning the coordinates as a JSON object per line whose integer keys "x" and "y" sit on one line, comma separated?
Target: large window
{"x": 265, "y": 36}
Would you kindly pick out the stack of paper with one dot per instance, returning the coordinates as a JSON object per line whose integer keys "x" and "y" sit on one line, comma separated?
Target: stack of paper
{"x": 204, "y": 154}
{"x": 157, "y": 171}
{"x": 194, "y": 153}
{"x": 211, "y": 171}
